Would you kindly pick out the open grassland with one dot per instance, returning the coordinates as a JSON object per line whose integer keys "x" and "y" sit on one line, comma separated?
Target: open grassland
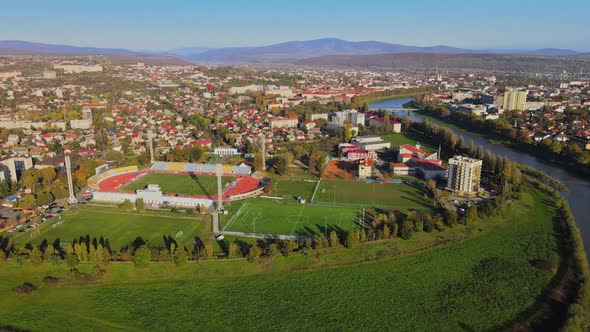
{"x": 117, "y": 227}
{"x": 187, "y": 184}
{"x": 288, "y": 217}
{"x": 362, "y": 194}
{"x": 485, "y": 282}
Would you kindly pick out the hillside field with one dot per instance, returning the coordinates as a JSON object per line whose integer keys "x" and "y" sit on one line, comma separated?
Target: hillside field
{"x": 483, "y": 279}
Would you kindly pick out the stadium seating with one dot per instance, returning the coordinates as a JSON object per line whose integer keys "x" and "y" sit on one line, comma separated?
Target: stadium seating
{"x": 227, "y": 169}
{"x": 193, "y": 168}
{"x": 242, "y": 170}
{"x": 175, "y": 166}
{"x": 209, "y": 168}
{"x": 159, "y": 166}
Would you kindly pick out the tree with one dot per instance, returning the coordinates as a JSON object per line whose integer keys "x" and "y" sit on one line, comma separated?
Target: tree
{"x": 180, "y": 256}
{"x": 126, "y": 205}
{"x": 352, "y": 239}
{"x": 36, "y": 256}
{"x": 209, "y": 250}
{"x": 140, "y": 205}
{"x": 72, "y": 261}
{"x": 142, "y": 257}
{"x": 334, "y": 242}
{"x": 471, "y": 216}
{"x": 254, "y": 253}
{"x": 451, "y": 218}
{"x": 347, "y": 133}
{"x": 407, "y": 229}
{"x": 386, "y": 232}
{"x": 232, "y": 250}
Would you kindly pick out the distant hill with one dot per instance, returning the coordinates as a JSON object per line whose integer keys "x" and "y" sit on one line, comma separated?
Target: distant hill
{"x": 286, "y": 52}
{"x": 500, "y": 62}
{"x": 294, "y": 50}
{"x": 24, "y": 47}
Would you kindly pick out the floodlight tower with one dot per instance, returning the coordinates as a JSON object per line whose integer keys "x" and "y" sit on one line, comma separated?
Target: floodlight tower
{"x": 219, "y": 193}
{"x": 72, "y": 200}
{"x": 151, "y": 145}
{"x": 263, "y": 151}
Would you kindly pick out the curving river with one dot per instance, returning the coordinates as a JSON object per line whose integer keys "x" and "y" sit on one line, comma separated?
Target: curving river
{"x": 578, "y": 195}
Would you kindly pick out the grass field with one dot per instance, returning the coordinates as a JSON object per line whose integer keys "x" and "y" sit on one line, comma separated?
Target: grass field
{"x": 180, "y": 183}
{"x": 283, "y": 217}
{"x": 483, "y": 282}
{"x": 356, "y": 193}
{"x": 288, "y": 188}
{"x": 118, "y": 228}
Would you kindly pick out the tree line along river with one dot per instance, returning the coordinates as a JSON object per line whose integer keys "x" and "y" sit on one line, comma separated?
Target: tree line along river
{"x": 578, "y": 195}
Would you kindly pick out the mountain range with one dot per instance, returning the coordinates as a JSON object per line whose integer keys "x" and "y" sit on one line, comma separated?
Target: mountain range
{"x": 287, "y": 52}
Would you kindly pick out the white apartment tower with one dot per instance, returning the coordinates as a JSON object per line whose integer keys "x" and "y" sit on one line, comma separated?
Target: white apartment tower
{"x": 464, "y": 175}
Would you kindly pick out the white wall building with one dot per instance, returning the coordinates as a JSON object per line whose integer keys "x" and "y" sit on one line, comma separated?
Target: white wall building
{"x": 464, "y": 175}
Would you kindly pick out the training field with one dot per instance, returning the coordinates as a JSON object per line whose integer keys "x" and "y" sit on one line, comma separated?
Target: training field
{"x": 262, "y": 215}
{"x": 119, "y": 228}
{"x": 292, "y": 189}
{"x": 356, "y": 193}
{"x": 187, "y": 184}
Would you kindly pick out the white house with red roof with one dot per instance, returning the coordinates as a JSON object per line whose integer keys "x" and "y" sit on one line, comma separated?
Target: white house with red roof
{"x": 412, "y": 160}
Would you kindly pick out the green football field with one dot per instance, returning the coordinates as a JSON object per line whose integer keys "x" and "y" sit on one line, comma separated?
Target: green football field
{"x": 291, "y": 189}
{"x": 119, "y": 228}
{"x": 363, "y": 194}
{"x": 187, "y": 184}
{"x": 262, "y": 215}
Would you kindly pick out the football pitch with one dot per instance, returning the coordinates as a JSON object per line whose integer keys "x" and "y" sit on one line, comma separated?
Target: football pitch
{"x": 363, "y": 194}
{"x": 292, "y": 189}
{"x": 187, "y": 184}
{"x": 270, "y": 216}
{"x": 119, "y": 228}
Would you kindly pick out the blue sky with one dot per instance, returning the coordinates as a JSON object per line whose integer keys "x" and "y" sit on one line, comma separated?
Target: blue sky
{"x": 150, "y": 24}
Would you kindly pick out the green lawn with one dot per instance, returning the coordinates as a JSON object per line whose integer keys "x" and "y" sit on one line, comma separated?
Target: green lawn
{"x": 118, "y": 228}
{"x": 484, "y": 282}
{"x": 282, "y": 187}
{"x": 362, "y": 194}
{"x": 287, "y": 217}
{"x": 180, "y": 183}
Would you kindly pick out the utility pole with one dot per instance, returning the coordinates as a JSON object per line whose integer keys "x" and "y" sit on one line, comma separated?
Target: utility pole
{"x": 219, "y": 193}
{"x": 72, "y": 200}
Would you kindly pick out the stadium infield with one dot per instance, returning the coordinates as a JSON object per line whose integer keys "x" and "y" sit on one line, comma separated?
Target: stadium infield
{"x": 370, "y": 194}
{"x": 188, "y": 184}
{"x": 269, "y": 216}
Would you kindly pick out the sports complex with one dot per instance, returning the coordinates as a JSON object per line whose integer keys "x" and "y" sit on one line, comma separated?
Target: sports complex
{"x": 175, "y": 184}
{"x": 304, "y": 207}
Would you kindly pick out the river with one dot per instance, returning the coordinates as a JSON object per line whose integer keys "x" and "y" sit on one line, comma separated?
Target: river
{"x": 578, "y": 195}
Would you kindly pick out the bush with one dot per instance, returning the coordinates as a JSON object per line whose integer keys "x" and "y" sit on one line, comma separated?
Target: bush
{"x": 25, "y": 288}
{"x": 142, "y": 257}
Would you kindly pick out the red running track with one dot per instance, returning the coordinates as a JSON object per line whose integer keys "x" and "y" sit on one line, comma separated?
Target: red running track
{"x": 242, "y": 184}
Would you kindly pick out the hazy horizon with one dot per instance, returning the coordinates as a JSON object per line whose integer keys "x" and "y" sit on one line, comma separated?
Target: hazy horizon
{"x": 153, "y": 25}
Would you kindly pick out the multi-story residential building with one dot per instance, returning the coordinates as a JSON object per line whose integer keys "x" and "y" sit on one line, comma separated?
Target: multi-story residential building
{"x": 12, "y": 168}
{"x": 365, "y": 168}
{"x": 515, "y": 100}
{"x": 464, "y": 175}
{"x": 284, "y": 122}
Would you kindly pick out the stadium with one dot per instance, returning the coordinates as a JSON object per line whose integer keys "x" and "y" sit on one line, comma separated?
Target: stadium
{"x": 174, "y": 184}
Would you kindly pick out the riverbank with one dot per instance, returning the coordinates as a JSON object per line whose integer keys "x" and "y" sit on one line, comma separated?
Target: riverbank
{"x": 578, "y": 170}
